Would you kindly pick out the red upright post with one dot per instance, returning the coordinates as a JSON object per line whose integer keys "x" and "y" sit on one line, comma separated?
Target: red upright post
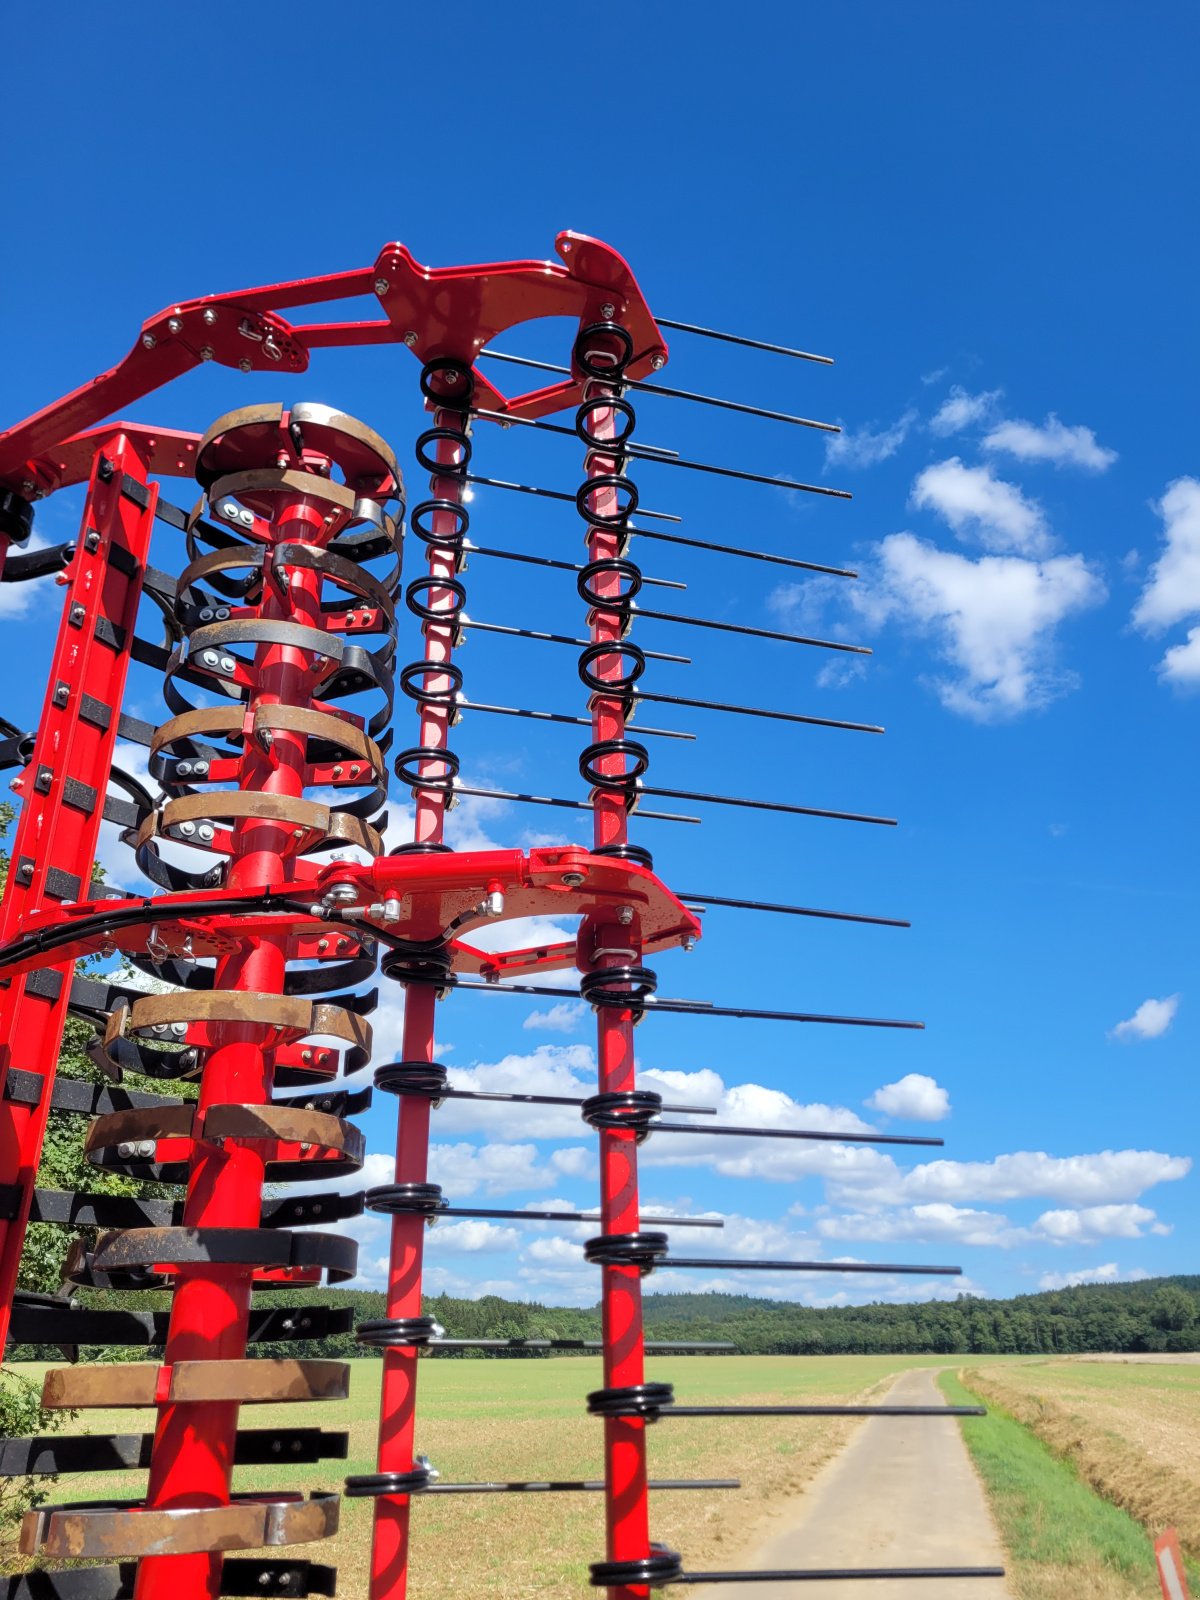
{"x": 63, "y": 792}
{"x": 614, "y": 945}
{"x": 442, "y": 526}
{"x": 193, "y": 1443}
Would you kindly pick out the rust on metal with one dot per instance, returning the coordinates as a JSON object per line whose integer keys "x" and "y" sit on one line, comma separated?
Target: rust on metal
{"x": 145, "y": 1383}
{"x": 128, "y": 1528}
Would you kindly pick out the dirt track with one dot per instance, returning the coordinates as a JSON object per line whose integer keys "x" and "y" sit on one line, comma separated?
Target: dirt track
{"x": 902, "y": 1493}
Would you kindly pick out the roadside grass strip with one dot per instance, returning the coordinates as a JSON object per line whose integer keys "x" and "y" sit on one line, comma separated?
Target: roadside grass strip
{"x": 1064, "y": 1542}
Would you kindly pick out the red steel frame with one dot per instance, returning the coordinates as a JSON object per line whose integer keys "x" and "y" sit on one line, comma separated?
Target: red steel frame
{"x": 439, "y": 313}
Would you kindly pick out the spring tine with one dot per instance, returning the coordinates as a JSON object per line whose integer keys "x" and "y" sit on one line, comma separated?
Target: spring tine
{"x": 506, "y": 420}
{"x": 822, "y": 1411}
{"x": 754, "y": 633}
{"x": 808, "y": 1266}
{"x": 748, "y": 555}
{"x": 554, "y": 1099}
{"x": 696, "y": 1008}
{"x": 558, "y": 716}
{"x": 561, "y": 566}
{"x": 573, "y": 1344}
{"x": 673, "y": 394}
{"x": 567, "y": 1486}
{"x": 792, "y": 911}
{"x": 755, "y": 711}
{"x": 463, "y": 621}
{"x": 576, "y": 1216}
{"x": 639, "y": 454}
{"x": 555, "y": 494}
{"x": 566, "y": 805}
{"x": 804, "y": 1574}
{"x": 765, "y": 805}
{"x": 821, "y": 1136}
{"x": 737, "y": 338}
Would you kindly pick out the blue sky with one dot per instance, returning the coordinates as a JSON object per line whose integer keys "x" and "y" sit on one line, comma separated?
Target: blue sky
{"x": 985, "y": 216}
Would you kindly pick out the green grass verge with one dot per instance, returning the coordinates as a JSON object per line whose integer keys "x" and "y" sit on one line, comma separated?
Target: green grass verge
{"x": 1047, "y": 1516}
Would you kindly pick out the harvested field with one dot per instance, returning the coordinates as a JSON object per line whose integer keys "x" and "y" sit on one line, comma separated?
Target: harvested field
{"x": 525, "y": 1420}
{"x": 1130, "y": 1429}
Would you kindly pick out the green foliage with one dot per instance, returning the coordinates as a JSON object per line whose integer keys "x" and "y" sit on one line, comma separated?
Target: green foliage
{"x": 22, "y": 1415}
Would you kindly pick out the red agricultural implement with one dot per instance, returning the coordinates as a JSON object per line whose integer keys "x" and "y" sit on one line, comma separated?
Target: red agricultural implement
{"x": 271, "y": 905}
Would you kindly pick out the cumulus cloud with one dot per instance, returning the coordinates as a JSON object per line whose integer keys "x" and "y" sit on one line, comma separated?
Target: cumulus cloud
{"x": 866, "y": 447}
{"x": 564, "y": 1017}
{"x": 915, "y": 1097}
{"x": 1087, "y": 1224}
{"x": 1150, "y": 1021}
{"x": 1110, "y": 1272}
{"x": 962, "y": 410}
{"x": 474, "y": 1236}
{"x": 1102, "y": 1178}
{"x": 463, "y": 1168}
{"x": 980, "y": 506}
{"x": 993, "y": 620}
{"x": 1172, "y": 591}
{"x": 1054, "y": 441}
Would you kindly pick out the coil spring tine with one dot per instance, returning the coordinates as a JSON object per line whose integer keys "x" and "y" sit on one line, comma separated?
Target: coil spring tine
{"x": 506, "y": 419}
{"x": 557, "y": 716}
{"x": 746, "y": 555}
{"x": 755, "y": 633}
{"x": 756, "y": 711}
{"x": 560, "y": 638}
{"x": 566, "y": 805}
{"x": 694, "y": 900}
{"x": 657, "y": 388}
{"x": 555, "y": 494}
{"x": 550, "y": 561}
{"x": 750, "y": 344}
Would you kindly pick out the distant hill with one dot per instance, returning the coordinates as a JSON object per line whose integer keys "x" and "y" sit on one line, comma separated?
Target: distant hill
{"x": 1154, "y": 1314}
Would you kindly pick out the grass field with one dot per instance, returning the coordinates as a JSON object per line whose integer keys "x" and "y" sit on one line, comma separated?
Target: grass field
{"x": 525, "y": 1420}
{"x": 1131, "y": 1430}
{"x": 1062, "y": 1540}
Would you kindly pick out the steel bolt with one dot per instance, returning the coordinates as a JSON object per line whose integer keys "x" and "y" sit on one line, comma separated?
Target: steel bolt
{"x": 382, "y": 286}
{"x": 174, "y": 325}
{"x": 149, "y": 341}
{"x": 209, "y": 657}
{"x": 227, "y": 663}
{"x": 410, "y": 339}
{"x": 179, "y": 1029}
{"x": 206, "y": 832}
{"x": 658, "y": 362}
{"x": 245, "y": 364}
{"x": 187, "y": 829}
{"x": 183, "y": 769}
{"x": 229, "y": 509}
{"x": 209, "y": 316}
{"x": 206, "y": 614}
{"x": 572, "y": 879}
{"x": 200, "y": 768}
{"x": 222, "y": 613}
{"x": 206, "y": 354}
{"x": 624, "y": 915}
{"x": 607, "y": 312}
{"x": 145, "y": 1148}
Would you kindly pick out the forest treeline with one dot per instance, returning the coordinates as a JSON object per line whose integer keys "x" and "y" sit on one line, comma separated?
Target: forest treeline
{"x": 1156, "y": 1314}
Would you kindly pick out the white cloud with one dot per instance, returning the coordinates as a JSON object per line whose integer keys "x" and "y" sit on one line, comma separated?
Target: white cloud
{"x": 473, "y": 1236}
{"x": 962, "y": 410}
{"x": 564, "y": 1017}
{"x": 977, "y": 504}
{"x": 1150, "y": 1021}
{"x": 463, "y": 1168}
{"x": 993, "y": 619}
{"x": 933, "y": 1221}
{"x": 915, "y": 1097}
{"x": 1101, "y": 1178}
{"x": 16, "y": 599}
{"x": 864, "y": 448}
{"x": 1054, "y": 441}
{"x": 1087, "y": 1224}
{"x": 1110, "y": 1272}
{"x": 1172, "y": 592}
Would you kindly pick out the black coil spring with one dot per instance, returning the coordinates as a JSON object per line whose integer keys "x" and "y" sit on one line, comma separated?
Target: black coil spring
{"x": 603, "y": 351}
{"x": 384, "y": 1333}
{"x": 411, "y": 1199}
{"x": 370, "y": 1484}
{"x": 641, "y": 1250}
{"x": 430, "y": 967}
{"x": 424, "y": 1078}
{"x": 448, "y": 385}
{"x": 646, "y": 1400}
{"x": 624, "y": 988}
{"x": 661, "y": 1566}
{"x": 623, "y": 1111}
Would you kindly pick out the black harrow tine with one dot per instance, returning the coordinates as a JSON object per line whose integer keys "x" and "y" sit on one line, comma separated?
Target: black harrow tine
{"x": 753, "y": 633}
{"x": 506, "y": 421}
{"x": 829, "y": 1574}
{"x": 549, "y": 561}
{"x": 556, "y": 1099}
{"x": 565, "y": 805}
{"x": 555, "y": 494}
{"x": 755, "y": 711}
{"x": 572, "y": 1344}
{"x": 737, "y": 472}
{"x": 822, "y": 1136}
{"x": 821, "y": 1411}
{"x": 763, "y": 805}
{"x": 463, "y": 621}
{"x": 698, "y": 1008}
{"x": 747, "y": 555}
{"x": 671, "y": 394}
{"x": 750, "y": 344}
{"x": 805, "y": 1266}
{"x": 575, "y": 1216}
{"x": 568, "y": 1486}
{"x": 558, "y": 716}
{"x": 792, "y": 911}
